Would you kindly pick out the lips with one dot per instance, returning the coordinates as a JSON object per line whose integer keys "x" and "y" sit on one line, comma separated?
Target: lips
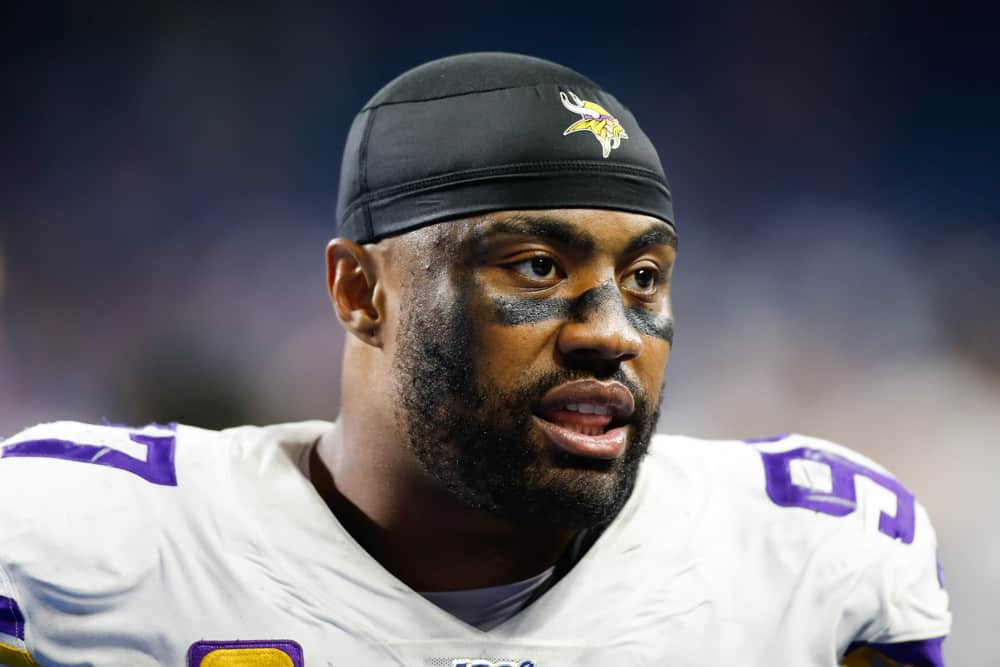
{"x": 607, "y": 445}
{"x": 587, "y": 417}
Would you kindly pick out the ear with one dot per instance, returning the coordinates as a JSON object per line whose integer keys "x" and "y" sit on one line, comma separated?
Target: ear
{"x": 357, "y": 297}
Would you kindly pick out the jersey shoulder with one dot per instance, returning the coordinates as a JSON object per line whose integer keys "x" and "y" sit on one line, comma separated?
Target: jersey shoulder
{"x": 828, "y": 519}
{"x": 71, "y": 481}
{"x": 70, "y": 473}
{"x": 105, "y": 499}
{"x": 78, "y": 497}
{"x": 92, "y": 516}
{"x": 146, "y": 452}
{"x": 69, "y": 466}
{"x": 798, "y": 479}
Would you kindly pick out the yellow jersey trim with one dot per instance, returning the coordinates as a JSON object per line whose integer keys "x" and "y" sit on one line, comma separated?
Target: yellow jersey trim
{"x": 15, "y": 657}
{"x": 868, "y": 657}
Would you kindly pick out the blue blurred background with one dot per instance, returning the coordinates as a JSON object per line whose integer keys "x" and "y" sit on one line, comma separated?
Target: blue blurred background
{"x": 169, "y": 179}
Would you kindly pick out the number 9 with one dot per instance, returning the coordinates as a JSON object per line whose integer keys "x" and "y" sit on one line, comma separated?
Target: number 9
{"x": 841, "y": 500}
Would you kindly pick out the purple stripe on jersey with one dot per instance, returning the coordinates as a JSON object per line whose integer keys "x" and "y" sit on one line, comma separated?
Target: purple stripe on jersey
{"x": 11, "y": 618}
{"x": 923, "y": 653}
{"x": 198, "y": 650}
{"x": 769, "y": 438}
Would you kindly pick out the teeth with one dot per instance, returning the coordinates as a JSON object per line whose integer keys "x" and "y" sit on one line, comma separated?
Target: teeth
{"x": 589, "y": 408}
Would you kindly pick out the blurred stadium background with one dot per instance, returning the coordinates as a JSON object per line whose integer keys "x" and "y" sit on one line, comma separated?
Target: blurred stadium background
{"x": 169, "y": 178}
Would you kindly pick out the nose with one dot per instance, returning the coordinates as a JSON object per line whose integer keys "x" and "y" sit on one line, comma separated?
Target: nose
{"x": 598, "y": 327}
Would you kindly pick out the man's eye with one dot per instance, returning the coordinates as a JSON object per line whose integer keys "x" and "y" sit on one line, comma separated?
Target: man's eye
{"x": 536, "y": 268}
{"x": 644, "y": 280}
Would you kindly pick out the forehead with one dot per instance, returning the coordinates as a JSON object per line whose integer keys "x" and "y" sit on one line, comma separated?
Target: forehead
{"x": 589, "y": 230}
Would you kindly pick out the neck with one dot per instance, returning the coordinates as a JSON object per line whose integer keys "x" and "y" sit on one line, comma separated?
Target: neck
{"x": 414, "y": 528}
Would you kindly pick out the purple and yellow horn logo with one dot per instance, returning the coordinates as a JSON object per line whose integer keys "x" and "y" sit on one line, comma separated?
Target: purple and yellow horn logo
{"x": 595, "y": 119}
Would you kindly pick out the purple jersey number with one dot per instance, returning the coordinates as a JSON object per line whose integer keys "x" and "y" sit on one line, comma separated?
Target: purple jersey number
{"x": 158, "y": 467}
{"x": 842, "y": 499}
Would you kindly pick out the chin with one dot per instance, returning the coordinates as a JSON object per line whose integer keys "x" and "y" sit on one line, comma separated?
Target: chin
{"x": 570, "y": 493}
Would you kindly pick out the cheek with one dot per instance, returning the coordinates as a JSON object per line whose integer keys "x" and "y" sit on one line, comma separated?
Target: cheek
{"x": 505, "y": 352}
{"x": 500, "y": 352}
{"x": 651, "y": 365}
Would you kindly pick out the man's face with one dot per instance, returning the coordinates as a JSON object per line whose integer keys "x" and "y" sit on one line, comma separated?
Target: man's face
{"x": 529, "y": 359}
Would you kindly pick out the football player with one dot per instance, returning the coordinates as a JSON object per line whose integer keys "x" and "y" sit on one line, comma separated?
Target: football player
{"x": 492, "y": 492}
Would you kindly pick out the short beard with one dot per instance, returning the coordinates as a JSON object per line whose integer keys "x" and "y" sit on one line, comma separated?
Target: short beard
{"x": 477, "y": 441}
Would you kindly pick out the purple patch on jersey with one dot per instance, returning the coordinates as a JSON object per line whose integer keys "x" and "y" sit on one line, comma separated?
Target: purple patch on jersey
{"x": 199, "y": 650}
{"x": 768, "y": 438}
{"x": 842, "y": 499}
{"x": 923, "y": 653}
{"x": 158, "y": 467}
{"x": 11, "y": 618}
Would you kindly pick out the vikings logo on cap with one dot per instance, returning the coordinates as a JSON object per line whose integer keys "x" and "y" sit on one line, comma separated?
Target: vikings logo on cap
{"x": 595, "y": 119}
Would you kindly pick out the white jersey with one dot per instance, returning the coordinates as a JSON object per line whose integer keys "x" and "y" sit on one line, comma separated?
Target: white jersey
{"x": 181, "y": 547}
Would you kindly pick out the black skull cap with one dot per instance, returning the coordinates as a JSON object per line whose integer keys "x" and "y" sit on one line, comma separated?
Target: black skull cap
{"x": 482, "y": 132}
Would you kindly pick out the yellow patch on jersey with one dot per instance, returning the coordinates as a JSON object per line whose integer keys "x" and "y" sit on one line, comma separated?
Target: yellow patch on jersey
{"x": 866, "y": 657}
{"x": 15, "y": 657}
{"x": 246, "y": 657}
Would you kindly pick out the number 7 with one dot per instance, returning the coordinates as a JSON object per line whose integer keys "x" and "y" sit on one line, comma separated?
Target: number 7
{"x": 158, "y": 467}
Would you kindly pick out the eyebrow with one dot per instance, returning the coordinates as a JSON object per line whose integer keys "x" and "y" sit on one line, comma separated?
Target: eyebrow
{"x": 553, "y": 230}
{"x": 562, "y": 233}
{"x": 658, "y": 234}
